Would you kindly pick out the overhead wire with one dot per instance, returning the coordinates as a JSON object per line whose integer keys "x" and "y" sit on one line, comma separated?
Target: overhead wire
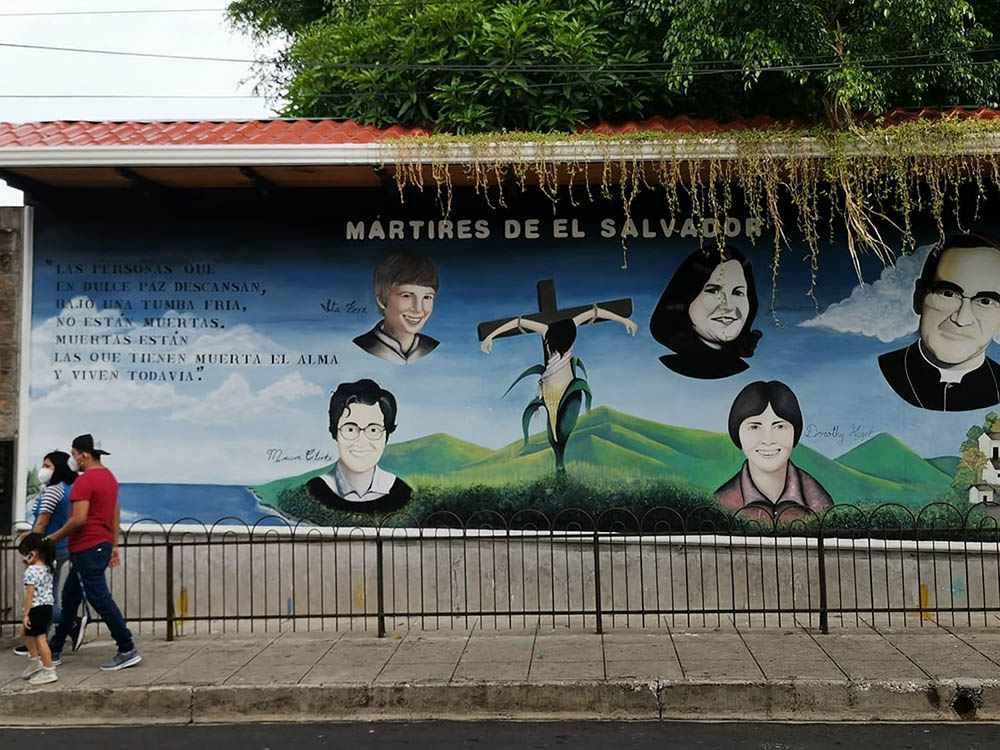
{"x": 362, "y": 93}
{"x": 549, "y": 67}
{"x": 143, "y": 11}
{"x": 122, "y": 12}
{"x": 628, "y": 72}
{"x": 633, "y": 76}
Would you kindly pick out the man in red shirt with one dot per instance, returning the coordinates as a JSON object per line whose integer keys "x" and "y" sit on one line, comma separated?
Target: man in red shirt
{"x": 92, "y": 531}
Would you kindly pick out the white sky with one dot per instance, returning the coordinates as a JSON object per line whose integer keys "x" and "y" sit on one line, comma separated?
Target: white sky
{"x": 45, "y": 72}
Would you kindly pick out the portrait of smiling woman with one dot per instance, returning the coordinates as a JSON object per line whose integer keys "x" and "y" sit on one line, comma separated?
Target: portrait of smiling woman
{"x": 362, "y": 416}
{"x": 765, "y": 422}
{"x": 706, "y": 315}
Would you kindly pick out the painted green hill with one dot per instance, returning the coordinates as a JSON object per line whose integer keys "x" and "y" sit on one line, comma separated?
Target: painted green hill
{"x": 610, "y": 447}
{"x": 849, "y": 485}
{"x": 886, "y": 456}
{"x": 947, "y": 464}
{"x": 434, "y": 454}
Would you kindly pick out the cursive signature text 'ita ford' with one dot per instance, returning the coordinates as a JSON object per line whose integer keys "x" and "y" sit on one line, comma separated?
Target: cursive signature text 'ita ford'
{"x": 354, "y": 307}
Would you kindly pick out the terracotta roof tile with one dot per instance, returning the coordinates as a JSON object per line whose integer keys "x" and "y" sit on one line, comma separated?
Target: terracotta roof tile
{"x": 317, "y": 132}
{"x": 898, "y": 116}
{"x": 208, "y": 133}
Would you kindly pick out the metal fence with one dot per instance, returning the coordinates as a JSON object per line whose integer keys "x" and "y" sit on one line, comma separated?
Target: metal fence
{"x": 704, "y": 568}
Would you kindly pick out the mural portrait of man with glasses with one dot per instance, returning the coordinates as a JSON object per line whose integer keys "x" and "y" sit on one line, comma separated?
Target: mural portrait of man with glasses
{"x": 957, "y": 297}
{"x": 362, "y": 416}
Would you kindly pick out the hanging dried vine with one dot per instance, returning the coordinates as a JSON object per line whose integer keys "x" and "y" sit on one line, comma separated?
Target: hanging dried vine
{"x": 862, "y": 181}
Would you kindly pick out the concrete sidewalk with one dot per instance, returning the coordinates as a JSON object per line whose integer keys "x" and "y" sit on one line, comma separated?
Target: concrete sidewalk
{"x": 929, "y": 673}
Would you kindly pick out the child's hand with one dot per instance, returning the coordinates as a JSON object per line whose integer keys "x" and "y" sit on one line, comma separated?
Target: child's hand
{"x": 26, "y": 622}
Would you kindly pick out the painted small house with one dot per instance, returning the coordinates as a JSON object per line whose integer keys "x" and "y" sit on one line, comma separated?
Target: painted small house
{"x": 981, "y": 493}
{"x": 989, "y": 444}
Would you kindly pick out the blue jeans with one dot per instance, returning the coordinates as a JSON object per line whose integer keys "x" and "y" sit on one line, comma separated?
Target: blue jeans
{"x": 87, "y": 579}
{"x": 58, "y": 580}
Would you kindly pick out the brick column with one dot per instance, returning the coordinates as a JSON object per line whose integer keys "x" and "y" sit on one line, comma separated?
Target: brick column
{"x": 12, "y": 224}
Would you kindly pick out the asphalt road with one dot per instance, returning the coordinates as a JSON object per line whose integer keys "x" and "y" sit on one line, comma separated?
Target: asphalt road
{"x": 520, "y": 735}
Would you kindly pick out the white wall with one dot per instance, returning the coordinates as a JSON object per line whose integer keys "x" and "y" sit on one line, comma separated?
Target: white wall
{"x": 9, "y": 196}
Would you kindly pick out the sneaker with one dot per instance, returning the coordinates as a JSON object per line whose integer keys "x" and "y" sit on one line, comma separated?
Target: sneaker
{"x": 77, "y": 632}
{"x": 34, "y": 665}
{"x": 56, "y": 661}
{"x": 21, "y": 650}
{"x": 121, "y": 660}
{"x": 44, "y": 677}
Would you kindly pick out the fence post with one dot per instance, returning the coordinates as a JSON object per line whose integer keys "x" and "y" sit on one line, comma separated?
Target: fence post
{"x": 171, "y": 614}
{"x": 824, "y": 614}
{"x": 379, "y": 587}
{"x": 597, "y": 582}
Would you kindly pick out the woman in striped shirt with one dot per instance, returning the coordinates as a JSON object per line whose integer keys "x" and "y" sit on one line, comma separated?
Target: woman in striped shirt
{"x": 51, "y": 512}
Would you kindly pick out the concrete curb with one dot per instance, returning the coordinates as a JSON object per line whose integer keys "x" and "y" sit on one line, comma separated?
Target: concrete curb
{"x": 816, "y": 700}
{"x": 79, "y": 707}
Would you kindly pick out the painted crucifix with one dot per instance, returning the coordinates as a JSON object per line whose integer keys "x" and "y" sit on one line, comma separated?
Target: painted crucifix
{"x": 561, "y": 391}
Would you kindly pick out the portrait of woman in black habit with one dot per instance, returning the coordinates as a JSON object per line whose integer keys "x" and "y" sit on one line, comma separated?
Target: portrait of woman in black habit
{"x": 706, "y": 315}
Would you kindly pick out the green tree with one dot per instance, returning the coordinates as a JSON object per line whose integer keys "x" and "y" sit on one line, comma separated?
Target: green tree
{"x": 266, "y": 18}
{"x": 964, "y": 478}
{"x": 974, "y": 460}
{"x": 837, "y": 57}
{"x": 555, "y": 64}
{"x": 462, "y": 65}
{"x": 34, "y": 485}
{"x": 972, "y": 437}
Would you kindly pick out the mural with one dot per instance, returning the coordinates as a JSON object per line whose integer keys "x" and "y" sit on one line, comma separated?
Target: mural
{"x": 362, "y": 416}
{"x": 233, "y": 351}
{"x": 765, "y": 422}
{"x": 560, "y": 389}
{"x": 957, "y": 297}
{"x": 405, "y": 287}
{"x": 706, "y": 314}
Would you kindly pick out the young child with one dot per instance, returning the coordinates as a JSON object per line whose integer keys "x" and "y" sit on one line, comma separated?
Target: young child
{"x": 38, "y": 554}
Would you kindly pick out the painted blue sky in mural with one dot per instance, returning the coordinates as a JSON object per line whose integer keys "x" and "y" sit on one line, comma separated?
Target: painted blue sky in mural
{"x": 219, "y": 425}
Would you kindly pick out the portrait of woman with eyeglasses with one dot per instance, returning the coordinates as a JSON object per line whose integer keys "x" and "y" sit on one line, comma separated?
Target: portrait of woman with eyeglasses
{"x": 362, "y": 416}
{"x": 957, "y": 298}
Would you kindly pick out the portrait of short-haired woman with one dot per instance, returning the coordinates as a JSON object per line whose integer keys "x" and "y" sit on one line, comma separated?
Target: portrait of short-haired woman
{"x": 765, "y": 422}
{"x": 706, "y": 314}
{"x": 362, "y": 416}
{"x": 406, "y": 285}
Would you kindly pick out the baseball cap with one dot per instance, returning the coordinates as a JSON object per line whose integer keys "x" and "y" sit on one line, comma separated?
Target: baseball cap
{"x": 89, "y": 444}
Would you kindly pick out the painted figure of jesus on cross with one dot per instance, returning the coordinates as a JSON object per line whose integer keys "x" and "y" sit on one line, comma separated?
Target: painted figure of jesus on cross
{"x": 561, "y": 391}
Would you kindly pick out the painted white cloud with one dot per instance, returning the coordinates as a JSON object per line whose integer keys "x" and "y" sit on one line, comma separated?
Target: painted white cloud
{"x": 234, "y": 402}
{"x": 94, "y": 396}
{"x": 884, "y": 309}
{"x": 239, "y": 339}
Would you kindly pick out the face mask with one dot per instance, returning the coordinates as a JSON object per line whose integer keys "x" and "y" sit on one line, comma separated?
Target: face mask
{"x": 45, "y": 475}
{"x": 73, "y": 466}
{"x": 28, "y": 558}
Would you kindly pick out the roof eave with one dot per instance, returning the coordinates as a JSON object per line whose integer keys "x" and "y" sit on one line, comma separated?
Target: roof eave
{"x": 418, "y": 151}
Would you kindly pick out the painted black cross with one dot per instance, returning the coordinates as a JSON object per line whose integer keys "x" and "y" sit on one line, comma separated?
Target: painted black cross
{"x": 549, "y": 312}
